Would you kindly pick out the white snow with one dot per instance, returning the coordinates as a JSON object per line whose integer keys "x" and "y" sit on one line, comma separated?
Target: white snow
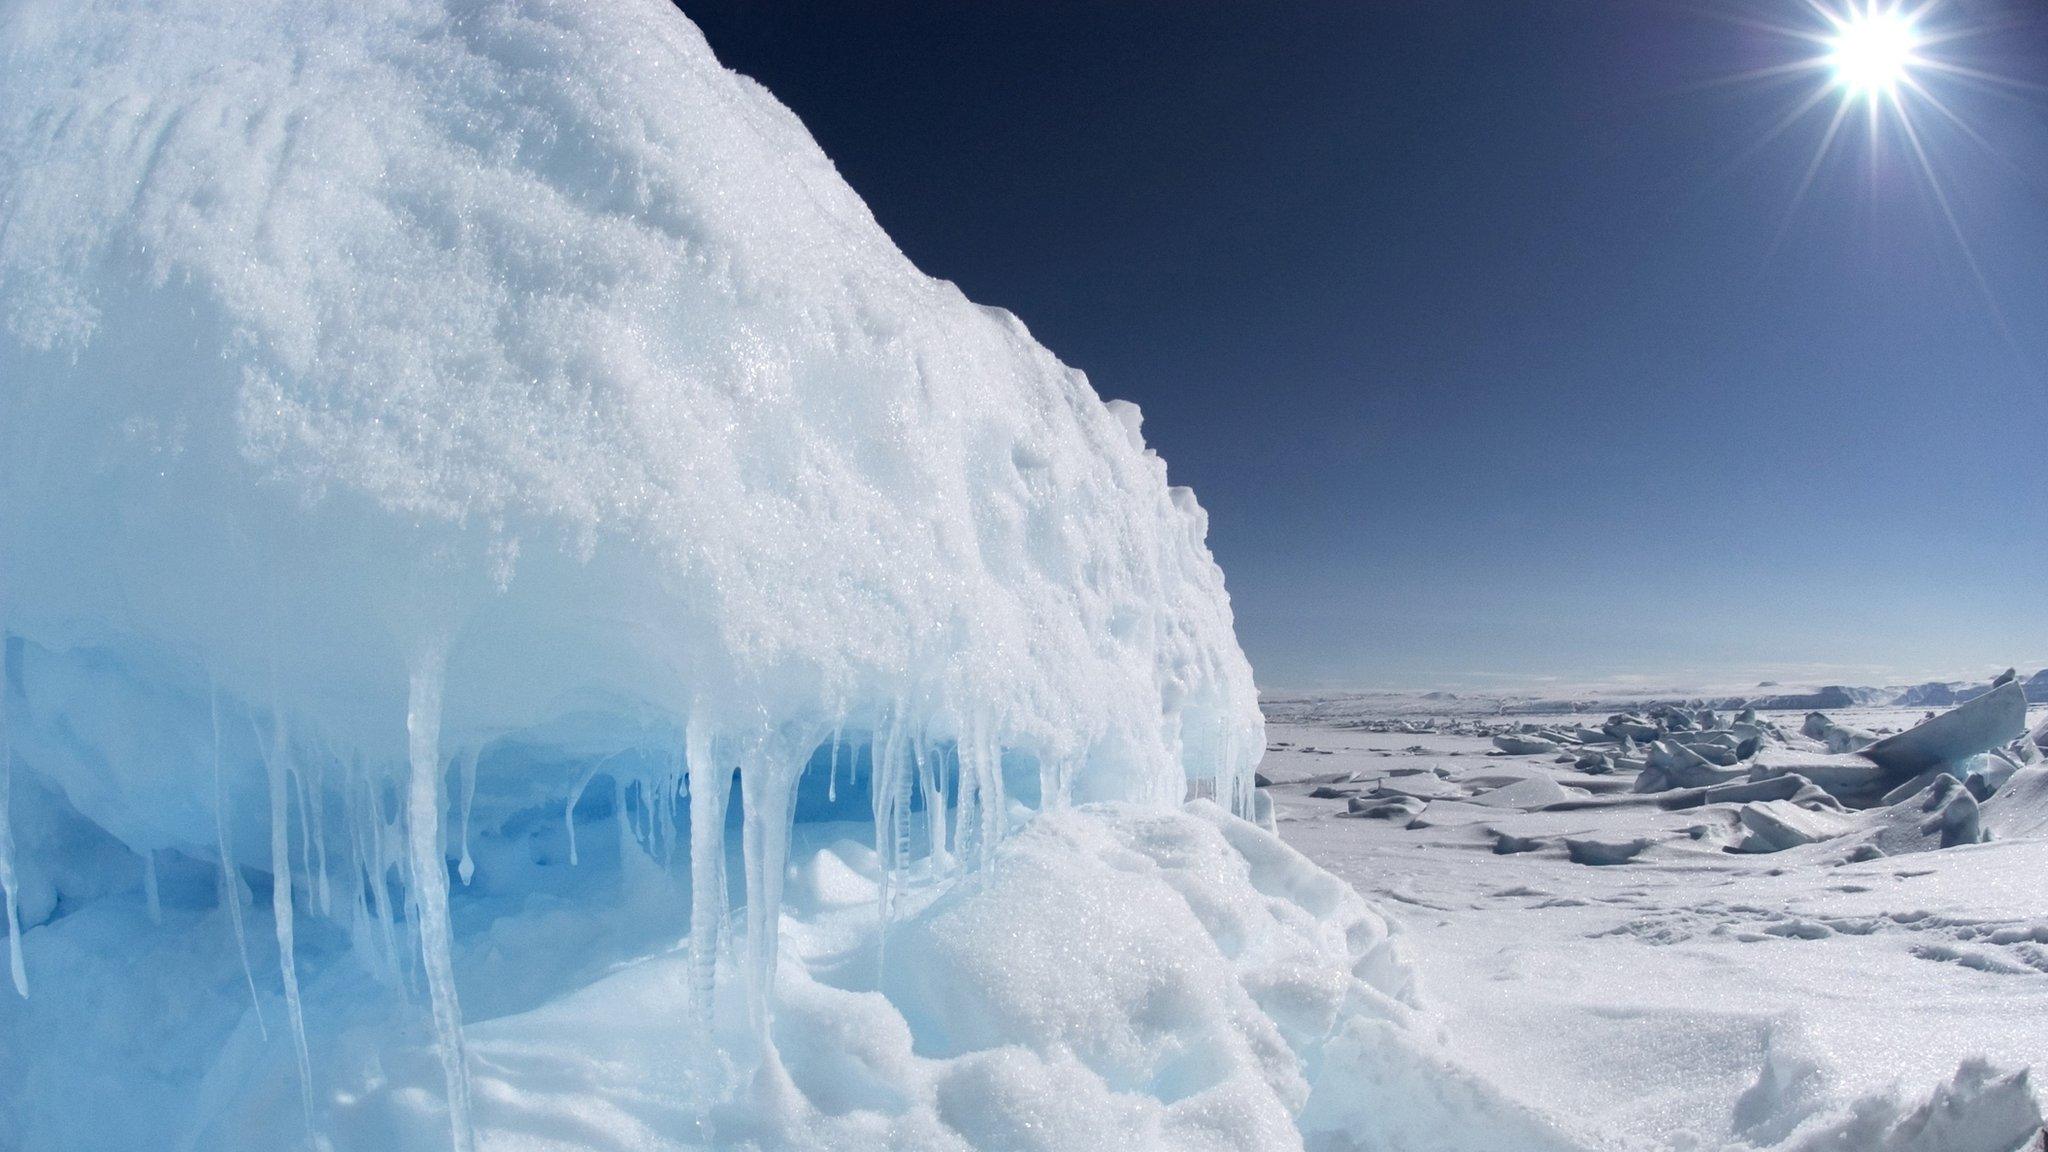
{"x": 1682, "y": 994}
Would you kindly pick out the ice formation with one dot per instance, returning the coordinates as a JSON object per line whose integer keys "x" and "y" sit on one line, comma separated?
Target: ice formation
{"x": 1979, "y": 725}
{"x": 412, "y": 413}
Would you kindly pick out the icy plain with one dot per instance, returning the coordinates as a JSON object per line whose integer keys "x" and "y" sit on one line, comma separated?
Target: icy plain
{"x": 1684, "y": 995}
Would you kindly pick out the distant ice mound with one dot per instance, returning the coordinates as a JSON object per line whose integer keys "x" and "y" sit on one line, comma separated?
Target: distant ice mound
{"x": 418, "y": 418}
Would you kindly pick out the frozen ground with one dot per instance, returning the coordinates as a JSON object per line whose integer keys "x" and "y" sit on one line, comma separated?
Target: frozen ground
{"x": 1692, "y": 997}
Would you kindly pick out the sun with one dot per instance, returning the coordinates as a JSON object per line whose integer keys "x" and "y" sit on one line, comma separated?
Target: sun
{"x": 1872, "y": 51}
{"x": 1895, "y": 66}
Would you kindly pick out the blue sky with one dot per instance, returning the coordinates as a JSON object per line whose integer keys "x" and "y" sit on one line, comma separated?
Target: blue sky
{"x": 1488, "y": 332}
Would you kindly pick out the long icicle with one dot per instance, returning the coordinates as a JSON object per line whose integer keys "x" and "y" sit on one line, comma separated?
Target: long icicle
{"x": 994, "y": 804}
{"x": 230, "y": 880}
{"x": 281, "y": 902}
{"x": 880, "y": 793}
{"x": 316, "y": 792}
{"x": 931, "y": 780}
{"x": 307, "y": 832}
{"x": 768, "y": 780}
{"x": 967, "y": 785}
{"x": 903, "y": 773}
{"x": 890, "y": 795}
{"x": 575, "y": 798}
{"x": 710, "y": 785}
{"x": 7, "y": 882}
{"x": 430, "y": 880}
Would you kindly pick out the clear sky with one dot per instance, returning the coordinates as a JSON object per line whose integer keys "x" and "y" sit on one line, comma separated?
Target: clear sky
{"x": 1496, "y": 337}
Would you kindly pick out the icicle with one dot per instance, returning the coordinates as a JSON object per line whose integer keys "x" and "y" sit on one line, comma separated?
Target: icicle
{"x": 9, "y": 886}
{"x": 307, "y": 833}
{"x": 230, "y": 880}
{"x": 380, "y": 877}
{"x": 7, "y": 880}
{"x": 710, "y": 785}
{"x": 643, "y": 823}
{"x": 995, "y": 814}
{"x": 281, "y": 902}
{"x": 569, "y": 813}
{"x": 316, "y": 790}
{"x": 467, "y": 868}
{"x": 768, "y": 779}
{"x": 832, "y": 780}
{"x": 966, "y": 771}
{"x": 902, "y": 780}
{"x": 650, "y": 815}
{"x": 931, "y": 780}
{"x": 978, "y": 768}
{"x": 430, "y": 885}
{"x": 882, "y": 803}
{"x": 150, "y": 895}
{"x": 575, "y": 798}
{"x": 898, "y": 763}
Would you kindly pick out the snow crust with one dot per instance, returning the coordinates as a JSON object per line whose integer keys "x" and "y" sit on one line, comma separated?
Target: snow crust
{"x": 422, "y": 421}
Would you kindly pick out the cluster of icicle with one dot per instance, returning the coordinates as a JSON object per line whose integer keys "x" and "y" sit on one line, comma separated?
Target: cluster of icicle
{"x": 398, "y": 847}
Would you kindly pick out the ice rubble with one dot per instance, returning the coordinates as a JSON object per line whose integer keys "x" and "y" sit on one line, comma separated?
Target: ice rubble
{"x": 416, "y": 418}
{"x": 1769, "y": 788}
{"x": 1980, "y": 1108}
{"x": 1546, "y": 890}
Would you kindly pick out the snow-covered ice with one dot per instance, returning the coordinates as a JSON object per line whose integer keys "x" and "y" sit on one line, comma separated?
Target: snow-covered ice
{"x": 1635, "y": 963}
{"x": 419, "y": 422}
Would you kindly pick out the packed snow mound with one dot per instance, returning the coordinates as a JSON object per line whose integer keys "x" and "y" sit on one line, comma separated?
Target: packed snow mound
{"x": 345, "y": 336}
{"x": 416, "y": 415}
